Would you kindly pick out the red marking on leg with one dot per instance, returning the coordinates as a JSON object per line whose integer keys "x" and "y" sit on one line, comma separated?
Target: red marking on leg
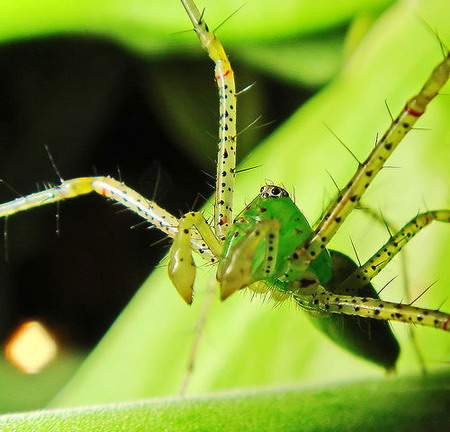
{"x": 412, "y": 112}
{"x": 103, "y": 192}
{"x": 222, "y": 221}
{"x": 219, "y": 77}
{"x": 445, "y": 326}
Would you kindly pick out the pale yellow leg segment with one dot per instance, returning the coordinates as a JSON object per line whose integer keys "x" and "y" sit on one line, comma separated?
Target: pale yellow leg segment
{"x": 182, "y": 268}
{"x": 236, "y": 270}
{"x": 105, "y": 186}
{"x": 378, "y": 262}
{"x": 226, "y": 157}
{"x": 327, "y": 302}
{"x": 112, "y": 189}
{"x": 349, "y": 197}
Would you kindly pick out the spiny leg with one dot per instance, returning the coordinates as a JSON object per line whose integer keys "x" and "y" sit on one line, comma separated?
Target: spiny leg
{"x": 109, "y": 188}
{"x": 181, "y": 264}
{"x": 321, "y": 301}
{"x": 386, "y": 253}
{"x": 226, "y": 157}
{"x": 406, "y": 286}
{"x": 349, "y": 197}
{"x": 104, "y": 186}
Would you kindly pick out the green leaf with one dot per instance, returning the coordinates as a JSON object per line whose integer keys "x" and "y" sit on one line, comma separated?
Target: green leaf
{"x": 405, "y": 404}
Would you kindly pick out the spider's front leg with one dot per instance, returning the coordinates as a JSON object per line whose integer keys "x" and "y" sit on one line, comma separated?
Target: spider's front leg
{"x": 226, "y": 156}
{"x": 193, "y": 227}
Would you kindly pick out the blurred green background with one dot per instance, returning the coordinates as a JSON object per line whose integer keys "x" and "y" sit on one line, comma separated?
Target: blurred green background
{"x": 123, "y": 85}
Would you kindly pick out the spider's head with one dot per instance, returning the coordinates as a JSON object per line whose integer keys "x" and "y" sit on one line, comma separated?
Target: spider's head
{"x": 272, "y": 191}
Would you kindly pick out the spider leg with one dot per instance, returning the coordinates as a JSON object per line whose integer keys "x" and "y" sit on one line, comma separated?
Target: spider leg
{"x": 349, "y": 197}
{"x": 321, "y": 302}
{"x": 226, "y": 156}
{"x": 387, "y": 252}
{"x": 109, "y": 188}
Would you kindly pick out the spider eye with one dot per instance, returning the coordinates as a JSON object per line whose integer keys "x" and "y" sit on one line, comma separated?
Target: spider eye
{"x": 275, "y": 191}
{"x": 271, "y": 191}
